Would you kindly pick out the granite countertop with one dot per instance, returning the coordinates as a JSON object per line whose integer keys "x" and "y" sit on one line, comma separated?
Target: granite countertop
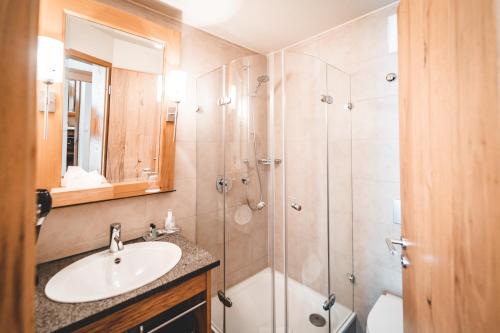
{"x": 53, "y": 316}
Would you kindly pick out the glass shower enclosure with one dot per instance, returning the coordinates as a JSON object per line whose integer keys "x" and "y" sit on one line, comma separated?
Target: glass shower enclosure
{"x": 274, "y": 197}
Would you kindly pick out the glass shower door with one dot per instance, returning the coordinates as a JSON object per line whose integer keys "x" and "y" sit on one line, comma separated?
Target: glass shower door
{"x": 306, "y": 194}
{"x": 231, "y": 193}
{"x": 317, "y": 191}
{"x": 248, "y": 276}
{"x": 210, "y": 183}
{"x": 340, "y": 197}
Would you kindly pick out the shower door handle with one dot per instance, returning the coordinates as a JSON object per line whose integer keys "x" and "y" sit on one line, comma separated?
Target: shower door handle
{"x": 296, "y": 206}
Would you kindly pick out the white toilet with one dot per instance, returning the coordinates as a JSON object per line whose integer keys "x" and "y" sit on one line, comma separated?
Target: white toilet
{"x": 386, "y": 316}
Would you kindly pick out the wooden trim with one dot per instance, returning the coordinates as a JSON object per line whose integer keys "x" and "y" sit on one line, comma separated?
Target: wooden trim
{"x": 78, "y": 75}
{"x": 52, "y": 24}
{"x": 70, "y": 53}
{"x": 62, "y": 197}
{"x": 141, "y": 311}
{"x": 208, "y": 299}
{"x": 18, "y": 33}
{"x": 167, "y": 154}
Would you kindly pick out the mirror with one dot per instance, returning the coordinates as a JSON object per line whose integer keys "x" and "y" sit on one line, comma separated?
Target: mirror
{"x": 112, "y": 106}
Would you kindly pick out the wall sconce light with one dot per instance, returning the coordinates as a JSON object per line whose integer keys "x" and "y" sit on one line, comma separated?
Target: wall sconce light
{"x": 176, "y": 86}
{"x": 176, "y": 92}
{"x": 50, "y": 58}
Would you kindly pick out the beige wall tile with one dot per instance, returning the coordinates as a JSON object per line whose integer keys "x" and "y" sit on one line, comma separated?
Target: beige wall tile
{"x": 368, "y": 79}
{"x": 375, "y": 160}
{"x": 376, "y": 119}
{"x": 185, "y": 159}
{"x": 71, "y": 230}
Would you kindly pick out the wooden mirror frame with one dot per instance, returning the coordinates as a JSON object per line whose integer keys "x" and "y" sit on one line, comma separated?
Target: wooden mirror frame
{"x": 52, "y": 23}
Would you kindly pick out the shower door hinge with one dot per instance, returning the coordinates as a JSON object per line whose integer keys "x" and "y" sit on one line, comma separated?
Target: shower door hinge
{"x": 348, "y": 106}
{"x": 226, "y": 301}
{"x": 224, "y": 101}
{"x": 327, "y": 99}
{"x": 327, "y": 305}
{"x": 351, "y": 277}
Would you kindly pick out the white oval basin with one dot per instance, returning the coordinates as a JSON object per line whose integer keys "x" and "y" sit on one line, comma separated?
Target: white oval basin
{"x": 98, "y": 277}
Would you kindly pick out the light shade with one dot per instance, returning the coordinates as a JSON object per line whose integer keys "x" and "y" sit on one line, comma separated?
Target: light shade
{"x": 50, "y": 59}
{"x": 176, "y": 85}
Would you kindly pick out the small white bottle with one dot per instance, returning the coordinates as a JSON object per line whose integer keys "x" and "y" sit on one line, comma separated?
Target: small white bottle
{"x": 170, "y": 226}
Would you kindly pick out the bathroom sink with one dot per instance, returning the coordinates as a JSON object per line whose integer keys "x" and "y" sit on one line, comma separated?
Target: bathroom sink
{"x": 105, "y": 274}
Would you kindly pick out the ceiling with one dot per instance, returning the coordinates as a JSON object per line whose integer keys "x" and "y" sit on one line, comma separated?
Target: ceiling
{"x": 269, "y": 25}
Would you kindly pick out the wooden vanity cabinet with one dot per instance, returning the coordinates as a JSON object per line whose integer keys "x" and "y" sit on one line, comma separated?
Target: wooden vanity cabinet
{"x": 191, "y": 297}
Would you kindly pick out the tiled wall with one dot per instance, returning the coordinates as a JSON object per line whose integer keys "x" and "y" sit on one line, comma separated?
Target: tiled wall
{"x": 85, "y": 227}
{"x": 366, "y": 49}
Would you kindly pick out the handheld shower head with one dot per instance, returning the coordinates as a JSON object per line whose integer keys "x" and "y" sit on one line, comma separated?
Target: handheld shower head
{"x": 261, "y": 205}
{"x": 263, "y": 79}
{"x": 260, "y": 80}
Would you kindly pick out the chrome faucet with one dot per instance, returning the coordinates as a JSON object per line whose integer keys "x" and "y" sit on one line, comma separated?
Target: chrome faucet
{"x": 115, "y": 243}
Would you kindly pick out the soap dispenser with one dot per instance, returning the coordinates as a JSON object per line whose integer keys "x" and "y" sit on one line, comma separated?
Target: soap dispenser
{"x": 170, "y": 226}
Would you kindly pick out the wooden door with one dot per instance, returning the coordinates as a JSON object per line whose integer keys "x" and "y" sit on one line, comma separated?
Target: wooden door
{"x": 18, "y": 36}
{"x": 450, "y": 165}
{"x": 134, "y": 125}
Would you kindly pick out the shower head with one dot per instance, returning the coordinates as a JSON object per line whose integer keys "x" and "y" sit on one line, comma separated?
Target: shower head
{"x": 260, "y": 80}
{"x": 263, "y": 79}
{"x": 261, "y": 205}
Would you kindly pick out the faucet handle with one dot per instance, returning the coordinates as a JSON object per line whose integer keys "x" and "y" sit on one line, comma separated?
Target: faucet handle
{"x": 114, "y": 230}
{"x": 115, "y": 242}
{"x": 117, "y": 226}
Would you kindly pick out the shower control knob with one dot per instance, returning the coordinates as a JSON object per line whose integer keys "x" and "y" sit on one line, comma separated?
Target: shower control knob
{"x": 223, "y": 184}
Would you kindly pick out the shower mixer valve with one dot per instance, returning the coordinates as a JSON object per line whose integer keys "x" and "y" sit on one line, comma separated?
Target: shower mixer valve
{"x": 223, "y": 184}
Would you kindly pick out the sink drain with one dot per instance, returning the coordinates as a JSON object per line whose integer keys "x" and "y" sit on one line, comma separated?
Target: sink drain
{"x": 317, "y": 320}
